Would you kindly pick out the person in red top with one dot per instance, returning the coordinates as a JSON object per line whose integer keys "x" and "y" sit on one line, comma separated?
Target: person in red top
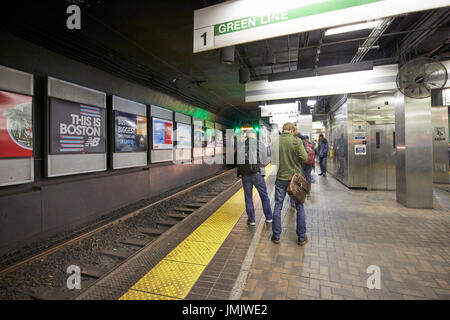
{"x": 309, "y": 163}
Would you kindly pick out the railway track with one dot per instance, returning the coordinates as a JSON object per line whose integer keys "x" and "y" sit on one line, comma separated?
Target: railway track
{"x": 99, "y": 251}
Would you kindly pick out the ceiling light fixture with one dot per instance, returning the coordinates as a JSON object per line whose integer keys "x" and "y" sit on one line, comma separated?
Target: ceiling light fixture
{"x": 353, "y": 27}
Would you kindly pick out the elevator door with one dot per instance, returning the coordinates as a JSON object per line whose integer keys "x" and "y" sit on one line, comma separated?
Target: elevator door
{"x": 381, "y": 172}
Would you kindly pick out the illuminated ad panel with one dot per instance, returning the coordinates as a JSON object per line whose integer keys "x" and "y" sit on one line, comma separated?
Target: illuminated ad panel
{"x": 162, "y": 134}
{"x": 210, "y": 138}
{"x": 16, "y": 131}
{"x": 76, "y": 128}
{"x": 184, "y": 133}
{"x": 199, "y": 136}
{"x": 130, "y": 132}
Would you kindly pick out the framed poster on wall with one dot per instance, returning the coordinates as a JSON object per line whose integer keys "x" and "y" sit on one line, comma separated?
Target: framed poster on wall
{"x": 219, "y": 138}
{"x": 199, "y": 137}
{"x": 162, "y": 134}
{"x": 76, "y": 128}
{"x": 210, "y": 138}
{"x": 184, "y": 136}
{"x": 16, "y": 130}
{"x": 130, "y": 132}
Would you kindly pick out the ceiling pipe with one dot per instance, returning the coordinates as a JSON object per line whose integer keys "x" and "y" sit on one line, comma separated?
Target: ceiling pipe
{"x": 321, "y": 71}
{"x": 372, "y": 39}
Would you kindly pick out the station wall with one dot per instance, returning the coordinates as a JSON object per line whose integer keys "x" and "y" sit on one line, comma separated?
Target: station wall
{"x": 33, "y": 211}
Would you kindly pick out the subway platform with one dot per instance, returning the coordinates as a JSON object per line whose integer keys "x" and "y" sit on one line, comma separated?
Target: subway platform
{"x": 348, "y": 231}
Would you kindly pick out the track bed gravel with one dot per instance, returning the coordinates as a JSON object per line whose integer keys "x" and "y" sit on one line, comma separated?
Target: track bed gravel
{"x": 48, "y": 274}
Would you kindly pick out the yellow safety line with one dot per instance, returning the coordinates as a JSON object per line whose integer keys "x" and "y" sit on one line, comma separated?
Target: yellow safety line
{"x": 174, "y": 276}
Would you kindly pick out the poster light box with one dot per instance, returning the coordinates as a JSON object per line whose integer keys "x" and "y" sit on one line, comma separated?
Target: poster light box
{"x": 16, "y": 127}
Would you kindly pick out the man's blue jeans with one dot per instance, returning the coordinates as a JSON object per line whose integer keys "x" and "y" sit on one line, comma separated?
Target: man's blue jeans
{"x": 323, "y": 164}
{"x": 257, "y": 180}
{"x": 280, "y": 194}
{"x": 307, "y": 168}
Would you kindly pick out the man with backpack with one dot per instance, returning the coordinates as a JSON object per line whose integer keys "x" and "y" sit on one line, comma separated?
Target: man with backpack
{"x": 252, "y": 171}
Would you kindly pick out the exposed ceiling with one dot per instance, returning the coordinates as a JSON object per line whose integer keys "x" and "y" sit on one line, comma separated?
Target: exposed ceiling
{"x": 151, "y": 42}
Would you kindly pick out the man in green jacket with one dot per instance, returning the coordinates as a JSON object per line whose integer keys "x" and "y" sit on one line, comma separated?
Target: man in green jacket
{"x": 291, "y": 158}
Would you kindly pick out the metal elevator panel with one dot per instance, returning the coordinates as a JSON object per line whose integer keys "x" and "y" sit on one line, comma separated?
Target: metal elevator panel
{"x": 354, "y": 158}
{"x": 381, "y": 171}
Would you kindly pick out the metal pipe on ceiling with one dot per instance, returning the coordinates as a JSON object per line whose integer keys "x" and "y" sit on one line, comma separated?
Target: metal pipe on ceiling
{"x": 356, "y": 39}
{"x": 372, "y": 39}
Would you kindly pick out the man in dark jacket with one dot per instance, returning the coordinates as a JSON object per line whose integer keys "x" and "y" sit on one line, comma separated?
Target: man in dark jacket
{"x": 323, "y": 153}
{"x": 252, "y": 169}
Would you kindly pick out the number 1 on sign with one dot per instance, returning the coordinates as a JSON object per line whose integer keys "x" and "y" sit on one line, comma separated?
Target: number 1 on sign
{"x": 204, "y": 38}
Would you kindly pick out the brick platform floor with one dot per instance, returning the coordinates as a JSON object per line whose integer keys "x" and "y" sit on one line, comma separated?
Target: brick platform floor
{"x": 348, "y": 231}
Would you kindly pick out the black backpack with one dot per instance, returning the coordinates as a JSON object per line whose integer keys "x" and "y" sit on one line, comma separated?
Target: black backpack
{"x": 249, "y": 168}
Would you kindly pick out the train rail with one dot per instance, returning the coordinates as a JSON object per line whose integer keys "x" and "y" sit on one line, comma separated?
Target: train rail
{"x": 102, "y": 249}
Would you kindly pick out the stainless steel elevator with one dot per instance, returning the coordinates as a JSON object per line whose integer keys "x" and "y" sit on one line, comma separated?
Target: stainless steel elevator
{"x": 381, "y": 150}
{"x": 362, "y": 141}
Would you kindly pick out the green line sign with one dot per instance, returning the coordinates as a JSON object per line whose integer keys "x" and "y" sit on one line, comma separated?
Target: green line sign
{"x": 236, "y": 22}
{"x": 281, "y": 16}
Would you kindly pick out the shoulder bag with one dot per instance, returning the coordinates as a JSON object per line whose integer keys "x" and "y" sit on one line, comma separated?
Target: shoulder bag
{"x": 298, "y": 188}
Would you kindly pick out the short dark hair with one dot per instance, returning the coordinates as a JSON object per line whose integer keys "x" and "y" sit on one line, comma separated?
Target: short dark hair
{"x": 321, "y": 135}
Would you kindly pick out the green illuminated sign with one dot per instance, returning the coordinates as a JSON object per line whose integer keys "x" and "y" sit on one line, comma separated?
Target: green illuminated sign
{"x": 282, "y": 16}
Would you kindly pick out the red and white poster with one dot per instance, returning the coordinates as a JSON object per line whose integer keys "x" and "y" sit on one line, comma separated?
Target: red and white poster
{"x": 162, "y": 134}
{"x": 16, "y": 131}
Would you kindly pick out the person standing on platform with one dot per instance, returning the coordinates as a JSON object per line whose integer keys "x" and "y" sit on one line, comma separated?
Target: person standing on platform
{"x": 291, "y": 156}
{"x": 309, "y": 163}
{"x": 323, "y": 153}
{"x": 252, "y": 173}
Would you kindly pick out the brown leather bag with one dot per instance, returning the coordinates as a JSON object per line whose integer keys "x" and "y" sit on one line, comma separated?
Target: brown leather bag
{"x": 298, "y": 188}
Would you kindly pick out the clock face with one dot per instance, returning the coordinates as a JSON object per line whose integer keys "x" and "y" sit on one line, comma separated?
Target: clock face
{"x": 418, "y": 78}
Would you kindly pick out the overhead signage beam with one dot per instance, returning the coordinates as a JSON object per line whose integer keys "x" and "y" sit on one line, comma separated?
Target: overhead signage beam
{"x": 380, "y": 78}
{"x": 241, "y": 21}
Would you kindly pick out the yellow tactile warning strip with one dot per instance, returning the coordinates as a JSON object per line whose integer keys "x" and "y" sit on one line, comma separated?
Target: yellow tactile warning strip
{"x": 139, "y": 295}
{"x": 170, "y": 278}
{"x": 174, "y": 276}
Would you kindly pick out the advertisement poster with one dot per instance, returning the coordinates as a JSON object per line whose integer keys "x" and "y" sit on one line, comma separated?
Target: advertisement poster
{"x": 210, "y": 138}
{"x": 219, "y": 138}
{"x": 184, "y": 132}
{"x": 162, "y": 134}
{"x": 130, "y": 132}
{"x": 16, "y": 131}
{"x": 199, "y": 137}
{"x": 76, "y": 128}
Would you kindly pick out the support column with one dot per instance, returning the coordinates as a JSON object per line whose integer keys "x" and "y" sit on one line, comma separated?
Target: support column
{"x": 439, "y": 113}
{"x": 413, "y": 128}
{"x": 304, "y": 125}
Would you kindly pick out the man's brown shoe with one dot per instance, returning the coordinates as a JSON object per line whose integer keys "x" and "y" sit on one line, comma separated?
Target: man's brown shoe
{"x": 302, "y": 242}
{"x": 275, "y": 240}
